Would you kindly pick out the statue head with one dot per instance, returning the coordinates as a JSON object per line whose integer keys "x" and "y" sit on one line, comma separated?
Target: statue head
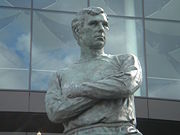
{"x": 89, "y": 27}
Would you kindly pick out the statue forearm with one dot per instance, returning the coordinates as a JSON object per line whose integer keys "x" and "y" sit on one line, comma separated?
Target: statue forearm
{"x": 110, "y": 88}
{"x": 60, "y": 108}
{"x": 65, "y": 109}
{"x": 122, "y": 84}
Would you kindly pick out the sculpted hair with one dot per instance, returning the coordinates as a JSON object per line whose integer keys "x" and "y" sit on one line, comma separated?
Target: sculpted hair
{"x": 78, "y": 21}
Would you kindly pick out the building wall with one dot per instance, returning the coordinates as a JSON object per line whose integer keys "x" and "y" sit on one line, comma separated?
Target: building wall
{"x": 33, "y": 102}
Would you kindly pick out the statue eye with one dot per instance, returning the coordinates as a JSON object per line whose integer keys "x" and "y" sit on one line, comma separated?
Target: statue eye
{"x": 105, "y": 24}
{"x": 93, "y": 23}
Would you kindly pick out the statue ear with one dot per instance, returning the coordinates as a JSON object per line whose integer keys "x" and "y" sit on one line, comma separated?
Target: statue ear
{"x": 77, "y": 33}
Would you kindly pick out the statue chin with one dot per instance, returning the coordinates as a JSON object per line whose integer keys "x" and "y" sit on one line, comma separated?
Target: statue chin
{"x": 98, "y": 46}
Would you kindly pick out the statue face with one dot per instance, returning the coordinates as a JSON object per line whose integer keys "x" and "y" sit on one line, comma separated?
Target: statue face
{"x": 93, "y": 33}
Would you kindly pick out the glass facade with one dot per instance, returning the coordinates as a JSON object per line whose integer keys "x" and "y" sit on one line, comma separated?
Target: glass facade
{"x": 36, "y": 40}
{"x": 16, "y": 3}
{"x": 120, "y": 7}
{"x": 14, "y": 48}
{"x": 60, "y": 5}
{"x": 163, "y": 58}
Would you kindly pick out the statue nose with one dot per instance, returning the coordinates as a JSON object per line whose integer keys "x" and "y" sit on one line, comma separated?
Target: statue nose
{"x": 101, "y": 27}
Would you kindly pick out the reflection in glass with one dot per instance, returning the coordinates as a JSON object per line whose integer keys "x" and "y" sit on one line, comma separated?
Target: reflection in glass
{"x": 120, "y": 7}
{"x": 16, "y": 3}
{"x": 14, "y": 79}
{"x": 163, "y": 49}
{"x": 165, "y": 9}
{"x": 14, "y": 48}
{"x": 54, "y": 46}
{"x": 14, "y": 38}
{"x": 163, "y": 56}
{"x": 53, "y": 43}
{"x": 164, "y": 88}
{"x": 40, "y": 79}
{"x": 126, "y": 36}
{"x": 66, "y": 5}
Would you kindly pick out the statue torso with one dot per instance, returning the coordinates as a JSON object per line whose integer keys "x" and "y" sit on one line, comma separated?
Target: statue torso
{"x": 89, "y": 71}
{"x": 106, "y": 111}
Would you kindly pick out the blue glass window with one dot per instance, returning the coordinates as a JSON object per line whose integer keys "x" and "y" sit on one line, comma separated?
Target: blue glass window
{"x": 164, "y": 9}
{"x": 163, "y": 59}
{"x": 62, "y": 5}
{"x": 16, "y": 3}
{"x": 54, "y": 46}
{"x": 120, "y": 7}
{"x": 14, "y": 48}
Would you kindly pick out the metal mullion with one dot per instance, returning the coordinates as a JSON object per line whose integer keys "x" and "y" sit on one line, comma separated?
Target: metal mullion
{"x": 125, "y": 17}
{"x": 30, "y": 55}
{"x": 88, "y": 3}
{"x": 13, "y": 90}
{"x": 57, "y": 11}
{"x": 162, "y": 20}
{"x": 145, "y": 58}
{"x": 22, "y": 8}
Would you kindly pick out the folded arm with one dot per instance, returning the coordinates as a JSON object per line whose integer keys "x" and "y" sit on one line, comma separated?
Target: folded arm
{"x": 59, "y": 108}
{"x": 122, "y": 84}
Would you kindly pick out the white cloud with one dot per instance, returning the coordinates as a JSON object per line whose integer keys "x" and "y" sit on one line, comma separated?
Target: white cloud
{"x": 8, "y": 58}
{"x": 11, "y": 77}
{"x": 23, "y": 43}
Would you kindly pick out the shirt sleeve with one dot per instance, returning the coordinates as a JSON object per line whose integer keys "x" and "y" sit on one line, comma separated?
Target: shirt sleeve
{"x": 122, "y": 84}
{"x": 59, "y": 108}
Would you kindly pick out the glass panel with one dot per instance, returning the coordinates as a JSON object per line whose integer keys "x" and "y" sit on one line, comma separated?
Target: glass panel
{"x": 14, "y": 43}
{"x": 126, "y": 36}
{"x": 40, "y": 79}
{"x": 54, "y": 46}
{"x": 120, "y": 7}
{"x": 14, "y": 38}
{"x": 16, "y": 3}
{"x": 165, "y": 9}
{"x": 14, "y": 79}
{"x": 67, "y": 5}
{"x": 53, "y": 43}
{"x": 163, "y": 57}
{"x": 164, "y": 88}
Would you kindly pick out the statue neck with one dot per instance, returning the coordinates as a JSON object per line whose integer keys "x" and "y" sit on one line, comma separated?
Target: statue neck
{"x": 89, "y": 54}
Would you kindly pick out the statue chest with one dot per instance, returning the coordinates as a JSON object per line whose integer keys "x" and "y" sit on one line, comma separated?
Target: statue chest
{"x": 88, "y": 72}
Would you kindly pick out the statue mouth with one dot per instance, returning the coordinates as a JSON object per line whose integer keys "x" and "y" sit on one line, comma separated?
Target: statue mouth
{"x": 100, "y": 37}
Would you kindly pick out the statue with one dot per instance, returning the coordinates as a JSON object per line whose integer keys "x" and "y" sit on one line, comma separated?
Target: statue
{"x": 95, "y": 95}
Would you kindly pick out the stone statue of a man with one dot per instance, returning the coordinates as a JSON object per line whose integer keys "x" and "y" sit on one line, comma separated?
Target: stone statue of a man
{"x": 95, "y": 95}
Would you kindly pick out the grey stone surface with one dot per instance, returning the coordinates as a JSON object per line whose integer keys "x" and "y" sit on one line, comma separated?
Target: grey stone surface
{"x": 96, "y": 94}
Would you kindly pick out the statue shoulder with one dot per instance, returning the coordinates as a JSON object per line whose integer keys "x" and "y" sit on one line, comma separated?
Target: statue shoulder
{"x": 128, "y": 56}
{"x": 124, "y": 58}
{"x": 66, "y": 71}
{"x": 62, "y": 71}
